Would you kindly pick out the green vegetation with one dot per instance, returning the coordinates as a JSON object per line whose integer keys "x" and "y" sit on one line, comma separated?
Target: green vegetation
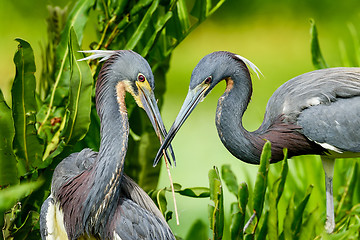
{"x": 40, "y": 126}
{"x": 48, "y": 122}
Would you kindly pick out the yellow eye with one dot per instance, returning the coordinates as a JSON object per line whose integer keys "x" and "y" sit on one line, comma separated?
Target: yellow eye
{"x": 141, "y": 78}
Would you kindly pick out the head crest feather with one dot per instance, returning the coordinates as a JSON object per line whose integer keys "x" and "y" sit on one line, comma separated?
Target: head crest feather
{"x": 103, "y": 54}
{"x": 250, "y": 65}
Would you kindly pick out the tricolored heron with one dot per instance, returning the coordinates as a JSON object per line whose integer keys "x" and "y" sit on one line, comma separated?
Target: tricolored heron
{"x": 314, "y": 113}
{"x": 91, "y": 197}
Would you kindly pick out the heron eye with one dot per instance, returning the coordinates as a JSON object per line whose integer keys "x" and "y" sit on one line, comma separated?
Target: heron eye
{"x": 208, "y": 80}
{"x": 141, "y": 78}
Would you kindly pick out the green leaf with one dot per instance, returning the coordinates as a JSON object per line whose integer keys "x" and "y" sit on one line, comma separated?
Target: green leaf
{"x": 195, "y": 192}
{"x": 158, "y": 28}
{"x": 199, "y": 10}
{"x": 136, "y": 36}
{"x": 159, "y": 198}
{"x": 282, "y": 179}
{"x": 237, "y": 222}
{"x": 183, "y": 15}
{"x": 25, "y": 229}
{"x": 309, "y": 226}
{"x": 12, "y": 194}
{"x": 27, "y": 146}
{"x": 77, "y": 19}
{"x": 198, "y": 231}
{"x": 79, "y": 106}
{"x": 261, "y": 179}
{"x": 299, "y": 211}
{"x": 317, "y": 58}
{"x": 77, "y": 118}
{"x": 265, "y": 230}
{"x": 243, "y": 198}
{"x": 288, "y": 220}
{"x": 216, "y": 208}
{"x": 272, "y": 222}
{"x": 8, "y": 169}
{"x": 230, "y": 179}
{"x": 345, "y": 202}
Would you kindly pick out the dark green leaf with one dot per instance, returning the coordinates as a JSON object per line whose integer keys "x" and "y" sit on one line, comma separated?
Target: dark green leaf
{"x": 198, "y": 231}
{"x": 282, "y": 180}
{"x": 299, "y": 212}
{"x": 79, "y": 106}
{"x": 24, "y": 230}
{"x": 264, "y": 228}
{"x": 77, "y": 19}
{"x": 272, "y": 222}
{"x": 288, "y": 220}
{"x": 158, "y": 28}
{"x": 199, "y": 10}
{"x": 317, "y": 58}
{"x": 136, "y": 36}
{"x": 27, "y": 146}
{"x": 261, "y": 179}
{"x": 183, "y": 15}
{"x": 10, "y": 195}
{"x": 230, "y": 179}
{"x": 345, "y": 202}
{"x": 237, "y": 222}
{"x": 195, "y": 192}
{"x": 8, "y": 170}
{"x": 159, "y": 197}
{"x": 216, "y": 207}
{"x": 309, "y": 226}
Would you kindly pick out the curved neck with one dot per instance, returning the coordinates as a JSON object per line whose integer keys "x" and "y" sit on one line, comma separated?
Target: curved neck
{"x": 108, "y": 168}
{"x": 232, "y": 104}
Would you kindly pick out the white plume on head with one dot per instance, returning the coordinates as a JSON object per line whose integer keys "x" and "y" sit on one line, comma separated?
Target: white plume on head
{"x": 103, "y": 54}
{"x": 250, "y": 64}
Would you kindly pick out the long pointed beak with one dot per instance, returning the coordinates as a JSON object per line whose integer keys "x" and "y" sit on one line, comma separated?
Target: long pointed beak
{"x": 192, "y": 99}
{"x": 150, "y": 106}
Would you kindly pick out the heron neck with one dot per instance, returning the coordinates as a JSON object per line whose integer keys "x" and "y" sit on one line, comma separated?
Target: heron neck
{"x": 108, "y": 169}
{"x": 230, "y": 110}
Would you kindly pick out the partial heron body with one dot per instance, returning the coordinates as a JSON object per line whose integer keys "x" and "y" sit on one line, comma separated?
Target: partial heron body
{"x": 314, "y": 113}
{"x": 91, "y": 197}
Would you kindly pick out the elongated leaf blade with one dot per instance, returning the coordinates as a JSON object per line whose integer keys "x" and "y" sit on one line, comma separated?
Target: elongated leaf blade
{"x": 158, "y": 28}
{"x": 136, "y": 36}
{"x": 299, "y": 211}
{"x": 27, "y": 146}
{"x": 216, "y": 208}
{"x": 230, "y": 179}
{"x": 8, "y": 170}
{"x": 79, "y": 106}
{"x": 198, "y": 231}
{"x": 290, "y": 215}
{"x": 77, "y": 19}
{"x": 195, "y": 192}
{"x": 284, "y": 172}
{"x": 237, "y": 222}
{"x": 261, "y": 179}
{"x": 317, "y": 58}
{"x": 10, "y": 195}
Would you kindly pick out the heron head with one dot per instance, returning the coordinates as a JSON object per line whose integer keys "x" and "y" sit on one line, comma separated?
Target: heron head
{"x": 128, "y": 71}
{"x": 211, "y": 69}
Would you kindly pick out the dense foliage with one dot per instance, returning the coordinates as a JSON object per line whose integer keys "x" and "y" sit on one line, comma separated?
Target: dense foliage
{"x": 53, "y": 116}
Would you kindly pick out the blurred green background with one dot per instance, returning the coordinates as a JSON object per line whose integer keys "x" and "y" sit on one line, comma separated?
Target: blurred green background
{"x": 273, "y": 35}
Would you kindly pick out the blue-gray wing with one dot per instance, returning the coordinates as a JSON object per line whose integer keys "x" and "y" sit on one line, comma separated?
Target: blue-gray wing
{"x": 72, "y": 166}
{"x": 335, "y": 124}
{"x": 134, "y": 222}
